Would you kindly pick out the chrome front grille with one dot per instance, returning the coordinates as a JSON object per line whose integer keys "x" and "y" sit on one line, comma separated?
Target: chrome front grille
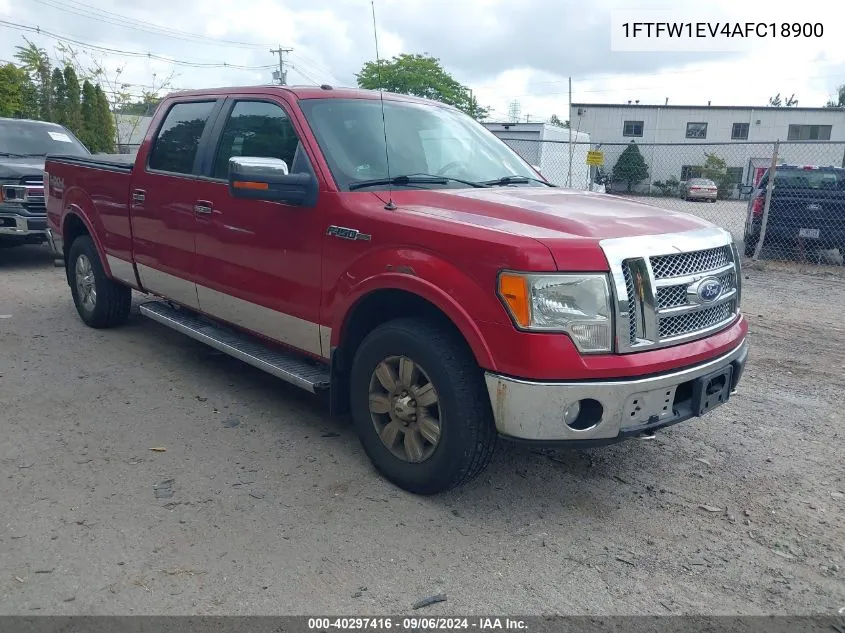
{"x": 665, "y": 287}
{"x": 680, "y": 264}
{"x": 672, "y": 326}
{"x": 674, "y": 296}
{"x": 34, "y": 199}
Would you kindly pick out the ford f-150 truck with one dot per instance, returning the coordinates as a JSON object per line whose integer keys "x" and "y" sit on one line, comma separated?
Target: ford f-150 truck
{"x": 23, "y": 146}
{"x": 396, "y": 256}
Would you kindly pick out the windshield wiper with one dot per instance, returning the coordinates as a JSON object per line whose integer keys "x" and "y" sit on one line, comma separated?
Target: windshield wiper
{"x": 17, "y": 155}
{"x": 413, "y": 179}
{"x": 515, "y": 180}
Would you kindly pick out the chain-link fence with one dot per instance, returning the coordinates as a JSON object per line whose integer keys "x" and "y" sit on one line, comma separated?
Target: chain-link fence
{"x": 801, "y": 216}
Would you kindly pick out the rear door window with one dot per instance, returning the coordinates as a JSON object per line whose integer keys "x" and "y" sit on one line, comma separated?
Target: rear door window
{"x": 175, "y": 147}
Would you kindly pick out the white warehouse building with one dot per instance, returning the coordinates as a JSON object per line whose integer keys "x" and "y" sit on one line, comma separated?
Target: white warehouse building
{"x": 746, "y": 135}
{"x": 546, "y": 147}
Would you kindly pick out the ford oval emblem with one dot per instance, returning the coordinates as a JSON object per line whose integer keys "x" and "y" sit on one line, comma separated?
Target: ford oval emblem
{"x": 709, "y": 290}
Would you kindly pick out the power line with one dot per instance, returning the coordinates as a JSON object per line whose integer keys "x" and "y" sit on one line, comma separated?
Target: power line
{"x": 304, "y": 74}
{"x": 101, "y": 15}
{"x": 138, "y": 54}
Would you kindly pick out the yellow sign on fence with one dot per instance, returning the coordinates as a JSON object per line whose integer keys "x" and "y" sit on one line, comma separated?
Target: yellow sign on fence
{"x": 594, "y": 157}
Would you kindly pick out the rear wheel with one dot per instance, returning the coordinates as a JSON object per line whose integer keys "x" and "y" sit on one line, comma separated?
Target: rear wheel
{"x": 100, "y": 302}
{"x": 420, "y": 406}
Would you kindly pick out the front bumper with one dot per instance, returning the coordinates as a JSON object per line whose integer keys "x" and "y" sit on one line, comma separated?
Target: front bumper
{"x": 22, "y": 226}
{"x": 702, "y": 195}
{"x": 56, "y": 244}
{"x": 534, "y": 411}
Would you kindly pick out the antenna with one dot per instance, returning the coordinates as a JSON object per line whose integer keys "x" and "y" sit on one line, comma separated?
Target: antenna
{"x": 389, "y": 206}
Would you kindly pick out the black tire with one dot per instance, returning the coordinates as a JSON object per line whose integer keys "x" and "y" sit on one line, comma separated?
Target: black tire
{"x": 467, "y": 435}
{"x": 112, "y": 300}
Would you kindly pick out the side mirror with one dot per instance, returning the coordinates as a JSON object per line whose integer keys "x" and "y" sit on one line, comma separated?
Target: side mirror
{"x": 258, "y": 178}
{"x": 745, "y": 189}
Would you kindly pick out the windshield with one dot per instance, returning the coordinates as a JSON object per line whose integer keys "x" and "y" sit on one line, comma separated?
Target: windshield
{"x": 26, "y": 138}
{"x": 422, "y": 139}
{"x": 829, "y": 179}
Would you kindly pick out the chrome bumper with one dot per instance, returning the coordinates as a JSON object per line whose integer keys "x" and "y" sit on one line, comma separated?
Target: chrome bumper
{"x": 21, "y": 227}
{"x": 534, "y": 411}
{"x": 56, "y": 244}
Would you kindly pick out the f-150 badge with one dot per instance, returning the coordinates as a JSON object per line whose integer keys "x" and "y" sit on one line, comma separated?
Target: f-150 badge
{"x": 348, "y": 234}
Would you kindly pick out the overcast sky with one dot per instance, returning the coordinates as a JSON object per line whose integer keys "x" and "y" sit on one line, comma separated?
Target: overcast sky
{"x": 505, "y": 50}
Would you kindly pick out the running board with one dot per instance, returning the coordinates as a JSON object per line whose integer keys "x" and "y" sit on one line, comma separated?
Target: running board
{"x": 302, "y": 372}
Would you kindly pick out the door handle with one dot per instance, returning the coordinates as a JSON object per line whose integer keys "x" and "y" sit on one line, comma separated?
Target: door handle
{"x": 203, "y": 207}
{"x": 138, "y": 196}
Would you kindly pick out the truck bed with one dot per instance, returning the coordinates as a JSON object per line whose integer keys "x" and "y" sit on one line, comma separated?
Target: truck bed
{"x": 111, "y": 162}
{"x": 97, "y": 186}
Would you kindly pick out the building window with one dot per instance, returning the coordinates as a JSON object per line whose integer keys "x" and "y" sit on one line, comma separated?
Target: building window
{"x": 809, "y": 132}
{"x": 739, "y": 131}
{"x": 696, "y": 130}
{"x": 689, "y": 172}
{"x": 632, "y": 128}
{"x": 734, "y": 174}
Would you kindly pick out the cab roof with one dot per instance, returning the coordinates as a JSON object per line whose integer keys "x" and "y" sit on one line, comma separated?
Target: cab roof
{"x": 306, "y": 92}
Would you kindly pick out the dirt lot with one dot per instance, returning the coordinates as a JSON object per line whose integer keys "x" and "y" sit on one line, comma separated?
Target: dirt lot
{"x": 270, "y": 507}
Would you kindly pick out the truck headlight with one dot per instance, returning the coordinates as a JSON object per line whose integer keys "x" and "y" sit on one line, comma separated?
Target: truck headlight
{"x": 577, "y": 304}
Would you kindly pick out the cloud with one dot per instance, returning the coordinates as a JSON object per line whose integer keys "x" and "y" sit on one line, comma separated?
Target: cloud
{"x": 504, "y": 50}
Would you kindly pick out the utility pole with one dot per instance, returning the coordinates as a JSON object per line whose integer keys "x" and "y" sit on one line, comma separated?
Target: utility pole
{"x": 569, "y": 178}
{"x": 283, "y": 75}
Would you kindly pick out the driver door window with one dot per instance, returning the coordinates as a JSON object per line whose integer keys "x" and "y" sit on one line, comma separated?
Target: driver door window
{"x": 260, "y": 129}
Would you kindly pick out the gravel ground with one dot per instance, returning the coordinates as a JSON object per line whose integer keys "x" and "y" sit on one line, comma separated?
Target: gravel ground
{"x": 263, "y": 505}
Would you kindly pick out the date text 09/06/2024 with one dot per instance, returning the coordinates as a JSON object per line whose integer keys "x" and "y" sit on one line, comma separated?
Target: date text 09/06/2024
{"x": 417, "y": 623}
{"x": 792, "y": 30}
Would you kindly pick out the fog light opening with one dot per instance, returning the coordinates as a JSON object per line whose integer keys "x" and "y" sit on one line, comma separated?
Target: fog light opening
{"x": 583, "y": 415}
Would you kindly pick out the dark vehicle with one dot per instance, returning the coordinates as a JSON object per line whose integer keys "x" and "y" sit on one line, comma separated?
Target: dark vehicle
{"x": 24, "y": 145}
{"x": 807, "y": 210}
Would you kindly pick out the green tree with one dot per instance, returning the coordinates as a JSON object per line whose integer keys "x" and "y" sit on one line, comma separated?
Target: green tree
{"x": 105, "y": 121}
{"x": 777, "y": 102}
{"x": 716, "y": 169}
{"x": 668, "y": 188}
{"x": 73, "y": 105}
{"x": 145, "y": 106}
{"x": 36, "y": 62}
{"x": 89, "y": 134}
{"x": 421, "y": 76}
{"x": 839, "y": 102}
{"x": 630, "y": 168}
{"x": 14, "y": 86}
{"x": 59, "y": 97}
{"x": 554, "y": 120}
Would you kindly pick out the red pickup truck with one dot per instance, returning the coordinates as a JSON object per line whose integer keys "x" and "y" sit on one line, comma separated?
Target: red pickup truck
{"x": 392, "y": 253}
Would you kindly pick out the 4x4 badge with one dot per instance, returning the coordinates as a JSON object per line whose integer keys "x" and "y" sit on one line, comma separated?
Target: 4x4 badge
{"x": 348, "y": 234}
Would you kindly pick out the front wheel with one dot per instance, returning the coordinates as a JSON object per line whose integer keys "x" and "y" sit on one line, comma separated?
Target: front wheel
{"x": 420, "y": 406}
{"x": 100, "y": 302}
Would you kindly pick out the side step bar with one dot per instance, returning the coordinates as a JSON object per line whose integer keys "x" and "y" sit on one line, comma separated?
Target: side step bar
{"x": 302, "y": 372}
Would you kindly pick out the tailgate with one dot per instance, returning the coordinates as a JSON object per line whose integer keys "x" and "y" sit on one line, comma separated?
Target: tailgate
{"x": 808, "y": 209}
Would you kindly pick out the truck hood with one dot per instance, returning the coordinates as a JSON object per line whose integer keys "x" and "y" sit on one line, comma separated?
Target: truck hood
{"x": 16, "y": 168}
{"x": 549, "y": 213}
{"x": 570, "y": 223}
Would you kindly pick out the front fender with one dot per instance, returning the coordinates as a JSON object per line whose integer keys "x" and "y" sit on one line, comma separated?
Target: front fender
{"x": 462, "y": 297}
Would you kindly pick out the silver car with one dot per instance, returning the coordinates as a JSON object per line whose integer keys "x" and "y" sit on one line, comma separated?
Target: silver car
{"x": 699, "y": 189}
